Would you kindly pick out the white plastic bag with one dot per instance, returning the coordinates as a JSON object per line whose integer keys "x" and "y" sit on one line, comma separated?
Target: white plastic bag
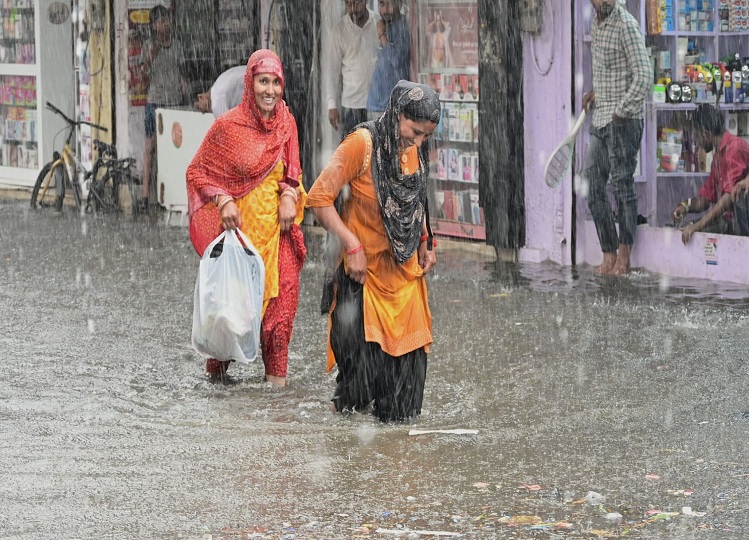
{"x": 228, "y": 302}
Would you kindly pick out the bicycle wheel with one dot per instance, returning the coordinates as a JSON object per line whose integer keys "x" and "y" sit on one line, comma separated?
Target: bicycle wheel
{"x": 105, "y": 192}
{"x": 133, "y": 188}
{"x": 125, "y": 179}
{"x": 76, "y": 191}
{"x": 49, "y": 188}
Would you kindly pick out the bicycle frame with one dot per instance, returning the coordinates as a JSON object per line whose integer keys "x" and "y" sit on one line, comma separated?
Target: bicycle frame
{"x": 66, "y": 163}
{"x": 72, "y": 164}
{"x": 74, "y": 167}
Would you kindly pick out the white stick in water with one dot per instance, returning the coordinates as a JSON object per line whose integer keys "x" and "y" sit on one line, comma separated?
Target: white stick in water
{"x": 444, "y": 431}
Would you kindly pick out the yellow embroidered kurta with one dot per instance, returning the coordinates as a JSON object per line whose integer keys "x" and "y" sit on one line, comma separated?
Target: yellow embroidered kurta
{"x": 396, "y": 309}
{"x": 259, "y": 210}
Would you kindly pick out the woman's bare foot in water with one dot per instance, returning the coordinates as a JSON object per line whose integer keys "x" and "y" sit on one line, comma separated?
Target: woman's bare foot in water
{"x": 276, "y": 381}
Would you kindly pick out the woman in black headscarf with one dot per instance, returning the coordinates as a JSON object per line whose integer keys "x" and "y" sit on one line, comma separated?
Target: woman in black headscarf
{"x": 380, "y": 323}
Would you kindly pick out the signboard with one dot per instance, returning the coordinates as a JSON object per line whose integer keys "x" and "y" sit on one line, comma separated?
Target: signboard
{"x": 139, "y": 31}
{"x": 58, "y": 13}
{"x": 147, "y": 4}
{"x": 450, "y": 35}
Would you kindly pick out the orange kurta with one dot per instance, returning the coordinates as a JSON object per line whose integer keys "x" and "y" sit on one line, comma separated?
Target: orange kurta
{"x": 396, "y": 308}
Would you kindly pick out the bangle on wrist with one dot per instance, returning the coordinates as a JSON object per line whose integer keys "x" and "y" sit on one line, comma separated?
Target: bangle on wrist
{"x": 357, "y": 249}
{"x": 425, "y": 237}
{"x": 290, "y": 191}
{"x": 224, "y": 202}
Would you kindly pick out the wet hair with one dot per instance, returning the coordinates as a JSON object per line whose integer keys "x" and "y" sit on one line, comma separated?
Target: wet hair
{"x": 708, "y": 118}
{"x": 158, "y": 12}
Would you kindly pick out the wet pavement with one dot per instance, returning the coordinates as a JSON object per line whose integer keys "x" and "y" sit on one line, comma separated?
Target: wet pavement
{"x": 604, "y": 407}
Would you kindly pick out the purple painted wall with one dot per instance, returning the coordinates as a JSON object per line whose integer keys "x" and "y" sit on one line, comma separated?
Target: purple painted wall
{"x": 548, "y": 118}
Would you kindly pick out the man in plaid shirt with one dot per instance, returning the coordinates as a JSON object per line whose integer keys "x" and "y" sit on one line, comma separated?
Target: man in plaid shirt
{"x": 621, "y": 77}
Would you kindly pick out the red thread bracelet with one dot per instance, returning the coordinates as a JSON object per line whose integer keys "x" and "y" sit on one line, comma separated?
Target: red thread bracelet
{"x": 357, "y": 249}
{"x": 425, "y": 237}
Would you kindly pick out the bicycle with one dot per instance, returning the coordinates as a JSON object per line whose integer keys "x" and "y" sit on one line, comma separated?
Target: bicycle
{"x": 104, "y": 189}
{"x": 62, "y": 171}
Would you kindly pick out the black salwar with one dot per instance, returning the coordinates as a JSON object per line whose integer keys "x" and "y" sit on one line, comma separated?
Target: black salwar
{"x": 394, "y": 386}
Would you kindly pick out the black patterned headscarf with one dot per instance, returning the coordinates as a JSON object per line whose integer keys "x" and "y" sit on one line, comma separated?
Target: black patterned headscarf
{"x": 402, "y": 197}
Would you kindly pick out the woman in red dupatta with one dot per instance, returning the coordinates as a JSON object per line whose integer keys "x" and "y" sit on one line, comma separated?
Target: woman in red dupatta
{"x": 246, "y": 174}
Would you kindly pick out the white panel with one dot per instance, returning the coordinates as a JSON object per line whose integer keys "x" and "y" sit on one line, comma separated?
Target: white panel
{"x": 176, "y": 144}
{"x": 56, "y": 83}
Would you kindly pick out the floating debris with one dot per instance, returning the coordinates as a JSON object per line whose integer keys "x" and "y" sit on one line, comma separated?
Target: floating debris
{"x": 444, "y": 431}
{"x": 519, "y": 521}
{"x": 399, "y": 532}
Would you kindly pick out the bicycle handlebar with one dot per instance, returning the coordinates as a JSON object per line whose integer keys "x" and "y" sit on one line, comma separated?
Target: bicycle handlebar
{"x": 73, "y": 123}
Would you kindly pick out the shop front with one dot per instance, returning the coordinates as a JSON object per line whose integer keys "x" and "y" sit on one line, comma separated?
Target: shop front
{"x": 214, "y": 35}
{"x": 510, "y": 76}
{"x": 557, "y": 73}
{"x": 445, "y": 39}
{"x": 477, "y": 163}
{"x": 467, "y": 51}
{"x": 36, "y": 67}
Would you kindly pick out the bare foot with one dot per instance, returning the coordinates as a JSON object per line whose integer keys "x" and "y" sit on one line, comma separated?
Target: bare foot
{"x": 278, "y": 381}
{"x": 619, "y": 269}
{"x": 622, "y": 261}
{"x": 609, "y": 260}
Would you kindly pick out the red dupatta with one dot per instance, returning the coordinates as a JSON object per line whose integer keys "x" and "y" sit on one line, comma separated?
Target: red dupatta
{"x": 239, "y": 151}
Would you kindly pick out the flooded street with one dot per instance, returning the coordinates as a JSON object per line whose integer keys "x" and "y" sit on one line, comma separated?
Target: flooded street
{"x": 593, "y": 398}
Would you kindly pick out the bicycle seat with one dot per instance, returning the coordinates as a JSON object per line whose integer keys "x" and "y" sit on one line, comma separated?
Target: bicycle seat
{"x": 103, "y": 149}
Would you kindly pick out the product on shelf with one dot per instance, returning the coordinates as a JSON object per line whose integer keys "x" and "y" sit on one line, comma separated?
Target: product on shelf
{"x": 17, "y": 35}
{"x": 18, "y": 118}
{"x": 454, "y": 167}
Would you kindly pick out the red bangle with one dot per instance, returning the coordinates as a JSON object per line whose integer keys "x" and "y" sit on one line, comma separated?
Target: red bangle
{"x": 357, "y": 249}
{"x": 425, "y": 237}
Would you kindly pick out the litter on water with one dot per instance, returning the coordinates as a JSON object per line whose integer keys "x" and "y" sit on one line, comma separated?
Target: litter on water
{"x": 444, "y": 431}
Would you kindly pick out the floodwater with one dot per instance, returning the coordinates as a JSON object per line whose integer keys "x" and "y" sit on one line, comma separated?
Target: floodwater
{"x": 603, "y": 406}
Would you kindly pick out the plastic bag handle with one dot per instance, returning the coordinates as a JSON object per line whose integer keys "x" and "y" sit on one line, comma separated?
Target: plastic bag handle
{"x": 209, "y": 249}
{"x": 230, "y": 238}
{"x": 241, "y": 239}
{"x": 233, "y": 237}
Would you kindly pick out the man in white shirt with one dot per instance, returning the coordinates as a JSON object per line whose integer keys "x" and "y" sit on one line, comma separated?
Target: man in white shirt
{"x": 353, "y": 54}
{"x": 226, "y": 92}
